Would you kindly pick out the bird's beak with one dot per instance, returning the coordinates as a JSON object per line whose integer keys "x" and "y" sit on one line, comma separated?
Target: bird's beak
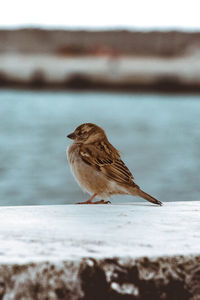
{"x": 71, "y": 136}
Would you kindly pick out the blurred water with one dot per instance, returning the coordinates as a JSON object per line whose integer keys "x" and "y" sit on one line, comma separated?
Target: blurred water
{"x": 158, "y": 136}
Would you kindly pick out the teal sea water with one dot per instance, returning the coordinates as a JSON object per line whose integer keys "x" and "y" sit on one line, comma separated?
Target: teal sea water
{"x": 158, "y": 136}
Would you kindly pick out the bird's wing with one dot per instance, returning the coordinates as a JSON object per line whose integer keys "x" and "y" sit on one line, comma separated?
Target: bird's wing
{"x": 106, "y": 161}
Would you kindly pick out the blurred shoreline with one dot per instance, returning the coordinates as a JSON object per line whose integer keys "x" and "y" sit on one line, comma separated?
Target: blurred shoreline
{"x": 103, "y": 60}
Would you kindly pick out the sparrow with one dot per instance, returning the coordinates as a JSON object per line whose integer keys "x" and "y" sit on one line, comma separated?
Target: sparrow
{"x": 98, "y": 168}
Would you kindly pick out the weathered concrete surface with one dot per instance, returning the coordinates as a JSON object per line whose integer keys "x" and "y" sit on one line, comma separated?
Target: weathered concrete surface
{"x": 98, "y": 252}
{"x": 109, "y": 279}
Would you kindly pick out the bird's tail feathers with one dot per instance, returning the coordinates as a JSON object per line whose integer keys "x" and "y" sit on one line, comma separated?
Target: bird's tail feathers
{"x": 148, "y": 197}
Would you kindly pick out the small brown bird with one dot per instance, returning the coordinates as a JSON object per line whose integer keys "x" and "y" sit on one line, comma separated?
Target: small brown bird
{"x": 98, "y": 168}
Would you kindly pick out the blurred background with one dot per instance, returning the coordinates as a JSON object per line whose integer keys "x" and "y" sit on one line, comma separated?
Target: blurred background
{"x": 131, "y": 67}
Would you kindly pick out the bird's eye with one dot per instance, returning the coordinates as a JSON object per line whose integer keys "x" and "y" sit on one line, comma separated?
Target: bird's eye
{"x": 79, "y": 133}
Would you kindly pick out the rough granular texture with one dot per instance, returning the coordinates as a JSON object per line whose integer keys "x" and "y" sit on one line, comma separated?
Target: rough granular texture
{"x": 113, "y": 279}
{"x": 42, "y": 281}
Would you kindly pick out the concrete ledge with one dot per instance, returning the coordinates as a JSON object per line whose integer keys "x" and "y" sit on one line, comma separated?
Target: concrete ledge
{"x": 133, "y": 251}
{"x": 57, "y": 233}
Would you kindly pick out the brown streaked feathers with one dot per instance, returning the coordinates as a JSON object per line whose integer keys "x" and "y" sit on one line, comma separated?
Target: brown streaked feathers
{"x": 107, "y": 161}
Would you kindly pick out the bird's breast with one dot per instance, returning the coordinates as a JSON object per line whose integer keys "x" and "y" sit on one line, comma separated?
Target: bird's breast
{"x": 87, "y": 177}
{"x": 82, "y": 172}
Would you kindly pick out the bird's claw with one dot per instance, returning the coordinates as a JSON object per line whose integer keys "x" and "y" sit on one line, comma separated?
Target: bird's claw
{"x": 105, "y": 202}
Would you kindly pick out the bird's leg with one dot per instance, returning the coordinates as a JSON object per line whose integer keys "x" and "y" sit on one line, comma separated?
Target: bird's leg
{"x": 89, "y": 201}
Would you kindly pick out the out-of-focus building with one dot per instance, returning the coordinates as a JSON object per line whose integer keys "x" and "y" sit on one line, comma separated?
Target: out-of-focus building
{"x": 103, "y": 59}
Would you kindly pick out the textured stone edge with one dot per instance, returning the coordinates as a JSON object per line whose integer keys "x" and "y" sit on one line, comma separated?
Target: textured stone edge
{"x": 144, "y": 278}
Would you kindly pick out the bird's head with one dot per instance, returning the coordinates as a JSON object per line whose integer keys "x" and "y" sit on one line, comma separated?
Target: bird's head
{"x": 87, "y": 133}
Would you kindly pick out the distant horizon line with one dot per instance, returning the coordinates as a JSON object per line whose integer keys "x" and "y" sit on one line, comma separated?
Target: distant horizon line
{"x": 100, "y": 28}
